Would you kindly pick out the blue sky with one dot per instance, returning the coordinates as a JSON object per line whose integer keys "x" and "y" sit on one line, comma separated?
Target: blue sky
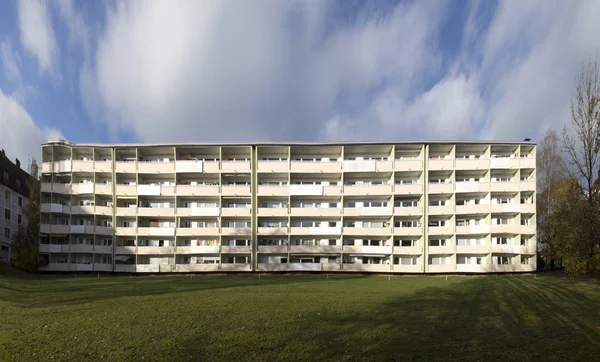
{"x": 151, "y": 71}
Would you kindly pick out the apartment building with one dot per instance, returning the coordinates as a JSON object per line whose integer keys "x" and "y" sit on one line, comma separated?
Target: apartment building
{"x": 401, "y": 207}
{"x": 14, "y": 197}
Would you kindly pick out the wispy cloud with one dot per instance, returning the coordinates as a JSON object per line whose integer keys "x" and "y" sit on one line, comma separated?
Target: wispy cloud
{"x": 37, "y": 34}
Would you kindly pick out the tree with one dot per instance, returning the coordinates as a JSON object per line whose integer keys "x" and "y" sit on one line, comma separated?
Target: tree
{"x": 25, "y": 241}
{"x": 582, "y": 148}
{"x": 552, "y": 173}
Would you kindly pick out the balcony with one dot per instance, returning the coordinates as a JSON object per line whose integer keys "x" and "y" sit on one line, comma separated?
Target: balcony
{"x": 125, "y": 250}
{"x": 149, "y": 190}
{"x": 473, "y": 209}
{"x": 441, "y": 164}
{"x": 202, "y": 190}
{"x": 373, "y": 268}
{"x": 124, "y": 268}
{"x": 83, "y": 166}
{"x": 55, "y": 267}
{"x": 506, "y": 249}
{"x": 527, "y": 229}
{"x": 47, "y": 167}
{"x": 44, "y": 228}
{"x": 272, "y": 211}
{"x": 126, "y": 190}
{"x": 408, "y": 231}
{"x": 315, "y": 167}
{"x": 332, "y": 190}
{"x": 82, "y": 189}
{"x": 441, "y": 210}
{"x": 447, "y": 188}
{"x": 408, "y": 211}
{"x": 473, "y": 229}
{"x": 102, "y": 189}
{"x": 412, "y": 189}
{"x": 506, "y": 229}
{"x": 359, "y": 165}
{"x": 306, "y": 190}
{"x": 527, "y": 162}
{"x": 472, "y": 186}
{"x": 189, "y": 166}
{"x": 103, "y": 166}
{"x": 527, "y": 208}
{"x": 372, "y": 190}
{"x": 127, "y": 211}
{"x": 264, "y": 190}
{"x": 408, "y": 165}
{"x": 155, "y": 250}
{"x": 147, "y": 268}
{"x": 103, "y": 210}
{"x": 473, "y": 249}
{"x": 236, "y": 267}
{"x": 510, "y": 208}
{"x": 272, "y": 230}
{"x": 54, "y": 208}
{"x": 235, "y": 166}
{"x": 125, "y": 167}
{"x": 79, "y": 229}
{"x": 376, "y": 250}
{"x": 368, "y": 231}
{"x": 472, "y": 164}
{"x": 236, "y": 249}
{"x": 441, "y": 230}
{"x": 191, "y": 268}
{"x": 198, "y": 249}
{"x": 235, "y": 190}
{"x": 442, "y": 268}
{"x": 82, "y": 210}
{"x": 441, "y": 250}
{"x": 102, "y": 267}
{"x": 273, "y": 166}
{"x": 505, "y": 186}
{"x": 472, "y": 268}
{"x": 103, "y": 230}
{"x": 384, "y": 166}
{"x": 273, "y": 249}
{"x": 82, "y": 248}
{"x": 304, "y": 267}
{"x": 235, "y": 231}
{"x": 156, "y": 211}
{"x": 408, "y": 250}
{"x": 236, "y": 211}
{"x": 156, "y": 167}
{"x": 102, "y": 249}
{"x": 156, "y": 231}
{"x": 527, "y": 186}
{"x": 60, "y": 229}
{"x": 315, "y": 249}
{"x": 207, "y": 231}
{"x": 316, "y": 230}
{"x": 408, "y": 268}
{"x": 64, "y": 189}
{"x": 316, "y": 211}
{"x": 271, "y": 267}
{"x": 503, "y": 163}
{"x": 528, "y": 250}
{"x": 51, "y": 248}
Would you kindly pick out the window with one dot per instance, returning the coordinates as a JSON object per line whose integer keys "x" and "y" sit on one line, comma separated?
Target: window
{"x": 405, "y": 243}
{"x": 437, "y": 242}
{"x": 438, "y": 260}
{"x": 6, "y": 176}
{"x": 523, "y": 242}
{"x": 7, "y": 233}
{"x": 501, "y": 240}
{"x": 437, "y": 202}
{"x": 436, "y": 223}
{"x": 19, "y": 221}
{"x": 468, "y": 259}
{"x": 7, "y": 214}
{"x": 525, "y": 260}
{"x": 7, "y": 194}
{"x": 406, "y": 260}
{"x": 502, "y": 260}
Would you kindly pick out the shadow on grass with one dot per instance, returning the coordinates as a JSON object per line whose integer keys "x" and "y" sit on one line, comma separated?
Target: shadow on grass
{"x": 514, "y": 318}
{"x": 71, "y": 291}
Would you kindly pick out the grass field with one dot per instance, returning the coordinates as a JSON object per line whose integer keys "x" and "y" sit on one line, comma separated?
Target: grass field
{"x": 306, "y": 317}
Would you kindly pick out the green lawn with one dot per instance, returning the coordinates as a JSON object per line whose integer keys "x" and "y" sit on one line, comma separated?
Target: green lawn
{"x": 296, "y": 317}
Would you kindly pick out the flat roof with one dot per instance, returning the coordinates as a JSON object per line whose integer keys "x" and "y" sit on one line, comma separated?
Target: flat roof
{"x": 333, "y": 143}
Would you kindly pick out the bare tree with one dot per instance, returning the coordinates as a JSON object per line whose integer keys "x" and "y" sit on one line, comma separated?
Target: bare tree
{"x": 583, "y": 147}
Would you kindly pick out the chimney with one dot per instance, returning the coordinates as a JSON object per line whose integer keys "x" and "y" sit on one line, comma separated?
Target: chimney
{"x": 18, "y": 163}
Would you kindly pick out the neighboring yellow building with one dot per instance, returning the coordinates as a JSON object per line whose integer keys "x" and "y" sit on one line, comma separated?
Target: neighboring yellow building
{"x": 387, "y": 207}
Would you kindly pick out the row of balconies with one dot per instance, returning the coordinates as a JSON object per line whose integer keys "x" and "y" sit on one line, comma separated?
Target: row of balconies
{"x": 284, "y": 249}
{"x": 284, "y": 212}
{"x": 265, "y": 231}
{"x": 288, "y": 166}
{"x": 326, "y": 267}
{"x": 292, "y": 190}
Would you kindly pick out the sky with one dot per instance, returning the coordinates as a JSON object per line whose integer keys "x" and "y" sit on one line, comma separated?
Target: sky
{"x": 272, "y": 70}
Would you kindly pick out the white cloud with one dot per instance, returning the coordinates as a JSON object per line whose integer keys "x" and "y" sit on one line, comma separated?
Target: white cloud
{"x": 21, "y": 138}
{"x": 10, "y": 60}
{"x": 37, "y": 34}
{"x": 186, "y": 70}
